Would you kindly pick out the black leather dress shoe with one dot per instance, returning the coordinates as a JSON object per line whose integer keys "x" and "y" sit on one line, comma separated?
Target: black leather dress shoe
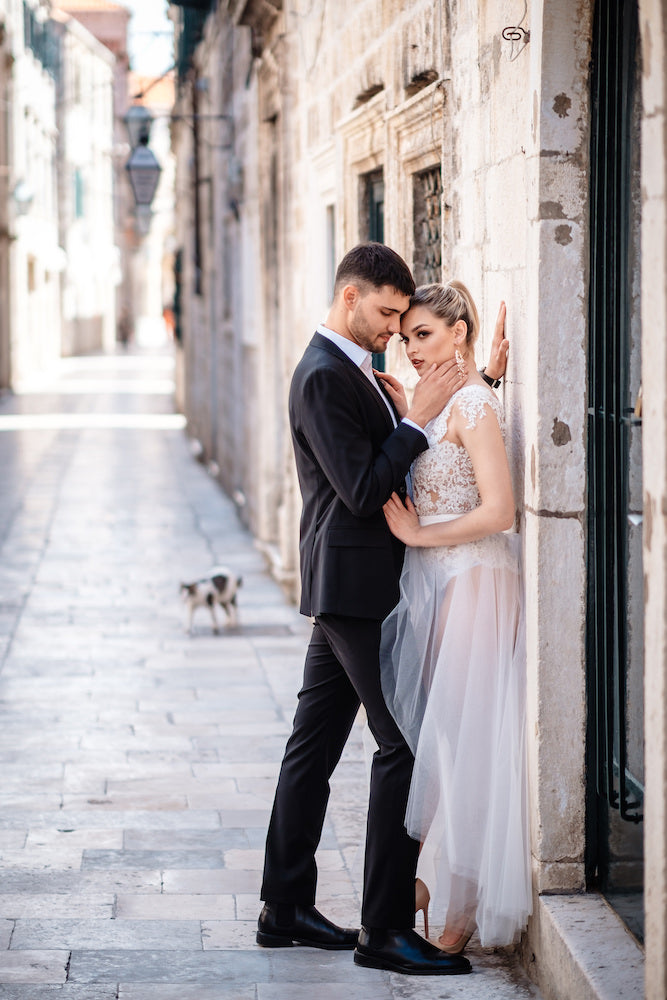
{"x": 281, "y": 925}
{"x": 406, "y": 951}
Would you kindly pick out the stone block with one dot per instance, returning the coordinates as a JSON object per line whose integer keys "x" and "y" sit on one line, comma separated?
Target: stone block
{"x": 46, "y": 858}
{"x": 557, "y": 726}
{"x": 138, "y": 860}
{"x": 6, "y": 930}
{"x": 26, "y": 906}
{"x": 220, "y": 881}
{"x": 244, "y": 860}
{"x": 151, "y": 991}
{"x": 375, "y": 989}
{"x": 207, "y": 798}
{"x": 245, "y": 818}
{"x": 208, "y": 968}
{"x": 227, "y": 935}
{"x": 67, "y": 838}
{"x": 160, "y": 935}
{"x": 67, "y": 991}
{"x": 145, "y": 840}
{"x": 12, "y": 839}
{"x": 39, "y": 966}
{"x": 585, "y": 951}
{"x": 172, "y": 906}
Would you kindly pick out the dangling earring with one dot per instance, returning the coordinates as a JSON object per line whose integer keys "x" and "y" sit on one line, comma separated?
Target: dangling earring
{"x": 460, "y": 363}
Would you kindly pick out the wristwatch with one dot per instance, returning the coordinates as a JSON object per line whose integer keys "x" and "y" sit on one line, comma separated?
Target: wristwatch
{"x": 493, "y": 382}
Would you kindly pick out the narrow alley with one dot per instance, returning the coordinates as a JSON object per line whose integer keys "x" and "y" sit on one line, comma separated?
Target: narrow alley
{"x": 138, "y": 763}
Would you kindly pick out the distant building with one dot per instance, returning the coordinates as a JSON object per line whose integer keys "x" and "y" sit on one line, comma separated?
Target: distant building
{"x": 84, "y": 115}
{"x": 152, "y": 263}
{"x": 31, "y": 258}
{"x": 108, "y": 22}
{"x": 59, "y": 263}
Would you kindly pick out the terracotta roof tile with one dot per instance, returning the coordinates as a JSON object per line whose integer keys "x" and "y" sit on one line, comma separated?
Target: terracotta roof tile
{"x": 159, "y": 90}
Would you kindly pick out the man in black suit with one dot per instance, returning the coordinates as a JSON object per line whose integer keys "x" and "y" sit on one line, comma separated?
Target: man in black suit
{"x": 352, "y": 451}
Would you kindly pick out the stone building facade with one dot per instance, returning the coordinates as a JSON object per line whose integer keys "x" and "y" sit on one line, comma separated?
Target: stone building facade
{"x": 108, "y": 22}
{"x": 31, "y": 259}
{"x": 84, "y": 163}
{"x": 57, "y": 184}
{"x": 521, "y": 148}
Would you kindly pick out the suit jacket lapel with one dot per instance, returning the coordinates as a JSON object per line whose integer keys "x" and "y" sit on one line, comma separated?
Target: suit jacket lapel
{"x": 356, "y": 372}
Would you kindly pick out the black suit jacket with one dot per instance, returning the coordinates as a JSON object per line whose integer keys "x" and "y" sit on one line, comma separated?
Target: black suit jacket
{"x": 349, "y": 460}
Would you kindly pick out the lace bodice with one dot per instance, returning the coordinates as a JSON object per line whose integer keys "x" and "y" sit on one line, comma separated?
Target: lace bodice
{"x": 443, "y": 480}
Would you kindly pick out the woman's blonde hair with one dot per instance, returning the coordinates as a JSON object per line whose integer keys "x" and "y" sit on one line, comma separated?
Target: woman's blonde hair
{"x": 450, "y": 302}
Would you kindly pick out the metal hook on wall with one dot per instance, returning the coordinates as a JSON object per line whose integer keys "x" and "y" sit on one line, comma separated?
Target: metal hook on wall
{"x": 517, "y": 35}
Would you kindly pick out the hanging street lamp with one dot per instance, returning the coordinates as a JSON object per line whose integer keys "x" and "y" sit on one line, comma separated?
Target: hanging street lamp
{"x": 144, "y": 172}
{"x": 142, "y": 167}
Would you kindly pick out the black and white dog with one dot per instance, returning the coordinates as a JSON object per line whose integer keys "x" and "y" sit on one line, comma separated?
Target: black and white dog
{"x": 219, "y": 587}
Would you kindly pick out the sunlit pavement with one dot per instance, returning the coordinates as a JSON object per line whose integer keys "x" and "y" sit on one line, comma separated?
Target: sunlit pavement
{"x": 137, "y": 763}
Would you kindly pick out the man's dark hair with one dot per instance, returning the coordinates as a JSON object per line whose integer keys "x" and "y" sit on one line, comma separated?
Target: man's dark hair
{"x": 377, "y": 265}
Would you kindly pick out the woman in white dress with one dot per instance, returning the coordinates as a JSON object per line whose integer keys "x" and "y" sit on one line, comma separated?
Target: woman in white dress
{"x": 453, "y": 660}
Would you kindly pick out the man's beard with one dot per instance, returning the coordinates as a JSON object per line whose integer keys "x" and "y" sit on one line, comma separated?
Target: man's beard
{"x": 363, "y": 333}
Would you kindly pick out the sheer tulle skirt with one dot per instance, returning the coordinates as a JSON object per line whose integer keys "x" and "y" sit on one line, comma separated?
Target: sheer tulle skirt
{"x": 453, "y": 674}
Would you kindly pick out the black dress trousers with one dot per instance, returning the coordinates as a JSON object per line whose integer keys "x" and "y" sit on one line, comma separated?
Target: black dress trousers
{"x": 342, "y": 670}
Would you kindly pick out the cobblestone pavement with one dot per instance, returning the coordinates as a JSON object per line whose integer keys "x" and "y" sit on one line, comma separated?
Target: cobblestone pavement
{"x": 137, "y": 763}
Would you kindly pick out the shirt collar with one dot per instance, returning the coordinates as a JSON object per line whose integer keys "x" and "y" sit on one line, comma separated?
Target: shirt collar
{"x": 354, "y": 352}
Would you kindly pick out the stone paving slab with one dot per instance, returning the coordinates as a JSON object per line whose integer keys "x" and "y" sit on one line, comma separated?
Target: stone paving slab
{"x": 172, "y": 906}
{"x": 325, "y": 991}
{"x": 67, "y": 991}
{"x": 212, "y": 967}
{"x": 297, "y": 974}
{"x": 165, "y": 935}
{"x": 186, "y": 840}
{"x": 136, "y": 860}
{"x": 138, "y": 762}
{"x": 150, "y": 991}
{"x": 135, "y": 819}
{"x": 56, "y": 905}
{"x": 69, "y": 883}
{"x": 206, "y": 881}
{"x": 33, "y": 966}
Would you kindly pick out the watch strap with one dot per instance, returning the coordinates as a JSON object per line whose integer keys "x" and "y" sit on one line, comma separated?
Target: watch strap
{"x": 493, "y": 382}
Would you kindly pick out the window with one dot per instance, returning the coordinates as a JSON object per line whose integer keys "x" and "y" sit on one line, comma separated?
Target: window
{"x": 371, "y": 217}
{"x": 427, "y": 226}
{"x": 79, "y": 210}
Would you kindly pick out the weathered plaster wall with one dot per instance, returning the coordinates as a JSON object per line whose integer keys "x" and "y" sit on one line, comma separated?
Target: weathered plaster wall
{"x": 556, "y": 429}
{"x": 231, "y": 351}
{"x": 518, "y": 168}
